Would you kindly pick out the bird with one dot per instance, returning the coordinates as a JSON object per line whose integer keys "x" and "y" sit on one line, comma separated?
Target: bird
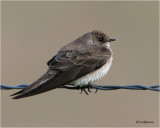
{"x": 79, "y": 64}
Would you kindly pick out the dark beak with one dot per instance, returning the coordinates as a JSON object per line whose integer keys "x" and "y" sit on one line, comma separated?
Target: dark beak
{"x": 110, "y": 40}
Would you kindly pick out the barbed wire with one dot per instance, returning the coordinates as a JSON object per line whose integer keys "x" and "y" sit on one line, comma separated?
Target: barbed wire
{"x": 97, "y": 87}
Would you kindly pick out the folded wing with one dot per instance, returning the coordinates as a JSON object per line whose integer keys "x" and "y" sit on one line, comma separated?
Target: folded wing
{"x": 67, "y": 66}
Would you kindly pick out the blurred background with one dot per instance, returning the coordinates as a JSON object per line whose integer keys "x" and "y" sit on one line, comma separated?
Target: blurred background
{"x": 33, "y": 32}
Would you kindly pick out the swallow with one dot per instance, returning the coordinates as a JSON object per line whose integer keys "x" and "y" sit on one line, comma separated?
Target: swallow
{"x": 79, "y": 63}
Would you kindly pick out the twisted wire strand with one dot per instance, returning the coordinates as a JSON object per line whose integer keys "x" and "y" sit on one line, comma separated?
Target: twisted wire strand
{"x": 98, "y": 87}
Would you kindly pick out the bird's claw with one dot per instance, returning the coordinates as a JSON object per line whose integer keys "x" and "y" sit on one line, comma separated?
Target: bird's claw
{"x": 96, "y": 91}
{"x": 89, "y": 89}
{"x": 83, "y": 89}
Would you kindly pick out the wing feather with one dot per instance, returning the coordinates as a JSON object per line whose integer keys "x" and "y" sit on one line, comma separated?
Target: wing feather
{"x": 67, "y": 66}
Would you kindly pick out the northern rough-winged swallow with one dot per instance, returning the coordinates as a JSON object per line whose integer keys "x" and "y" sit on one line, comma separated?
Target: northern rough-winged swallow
{"x": 78, "y": 63}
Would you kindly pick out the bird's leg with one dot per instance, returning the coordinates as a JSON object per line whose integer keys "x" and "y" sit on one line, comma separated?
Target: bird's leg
{"x": 83, "y": 88}
{"x": 79, "y": 87}
{"x": 89, "y": 87}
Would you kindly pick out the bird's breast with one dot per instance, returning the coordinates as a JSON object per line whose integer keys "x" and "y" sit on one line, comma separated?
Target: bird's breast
{"x": 93, "y": 76}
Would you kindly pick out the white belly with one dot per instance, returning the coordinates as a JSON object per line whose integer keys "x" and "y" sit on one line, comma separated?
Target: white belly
{"x": 93, "y": 76}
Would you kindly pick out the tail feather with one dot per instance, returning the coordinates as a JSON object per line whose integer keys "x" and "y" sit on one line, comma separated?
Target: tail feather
{"x": 23, "y": 95}
{"x": 29, "y": 91}
{"x": 21, "y": 91}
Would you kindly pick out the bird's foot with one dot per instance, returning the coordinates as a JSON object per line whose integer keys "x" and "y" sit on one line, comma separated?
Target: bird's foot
{"x": 84, "y": 87}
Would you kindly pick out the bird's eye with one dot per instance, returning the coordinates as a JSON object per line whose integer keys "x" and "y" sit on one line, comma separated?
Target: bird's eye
{"x": 101, "y": 39}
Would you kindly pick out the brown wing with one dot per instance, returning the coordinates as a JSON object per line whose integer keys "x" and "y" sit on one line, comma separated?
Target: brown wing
{"x": 67, "y": 66}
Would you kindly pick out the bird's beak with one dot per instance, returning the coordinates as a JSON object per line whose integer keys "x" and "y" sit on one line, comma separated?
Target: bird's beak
{"x": 110, "y": 40}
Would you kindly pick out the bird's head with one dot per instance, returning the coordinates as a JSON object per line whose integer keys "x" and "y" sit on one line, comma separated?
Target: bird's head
{"x": 101, "y": 38}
